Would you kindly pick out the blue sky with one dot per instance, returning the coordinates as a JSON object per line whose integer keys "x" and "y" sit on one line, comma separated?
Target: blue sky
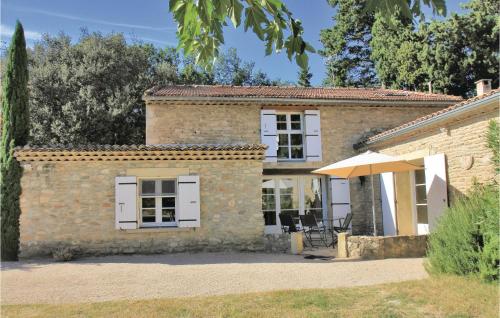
{"x": 150, "y": 21}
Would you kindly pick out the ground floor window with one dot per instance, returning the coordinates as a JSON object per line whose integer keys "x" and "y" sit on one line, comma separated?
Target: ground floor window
{"x": 157, "y": 202}
{"x": 294, "y": 195}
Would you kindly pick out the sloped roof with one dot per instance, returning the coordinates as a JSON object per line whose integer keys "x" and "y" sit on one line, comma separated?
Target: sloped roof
{"x": 292, "y": 92}
{"x": 426, "y": 118}
{"x": 141, "y": 152}
{"x": 159, "y": 147}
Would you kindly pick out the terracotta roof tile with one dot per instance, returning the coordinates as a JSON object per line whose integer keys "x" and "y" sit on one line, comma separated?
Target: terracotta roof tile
{"x": 425, "y": 118}
{"x": 292, "y": 92}
{"x": 164, "y": 147}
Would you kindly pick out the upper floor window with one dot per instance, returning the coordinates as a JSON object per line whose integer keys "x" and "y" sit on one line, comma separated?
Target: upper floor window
{"x": 290, "y": 136}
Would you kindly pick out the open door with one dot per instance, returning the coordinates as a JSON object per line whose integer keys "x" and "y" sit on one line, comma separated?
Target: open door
{"x": 436, "y": 187}
{"x": 388, "y": 196}
{"x": 341, "y": 197}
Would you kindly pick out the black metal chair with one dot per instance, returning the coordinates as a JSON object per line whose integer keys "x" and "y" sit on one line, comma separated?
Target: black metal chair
{"x": 310, "y": 227}
{"x": 287, "y": 223}
{"x": 343, "y": 224}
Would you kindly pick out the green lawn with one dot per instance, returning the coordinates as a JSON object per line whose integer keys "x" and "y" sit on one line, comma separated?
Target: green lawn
{"x": 434, "y": 297}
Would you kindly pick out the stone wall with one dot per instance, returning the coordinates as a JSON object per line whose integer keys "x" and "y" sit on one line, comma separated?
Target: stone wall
{"x": 380, "y": 247}
{"x": 462, "y": 140}
{"x": 341, "y": 127}
{"x": 72, "y": 204}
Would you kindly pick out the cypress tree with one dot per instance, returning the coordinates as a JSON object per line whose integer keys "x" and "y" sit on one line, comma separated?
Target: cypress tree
{"x": 305, "y": 78}
{"x": 15, "y": 132}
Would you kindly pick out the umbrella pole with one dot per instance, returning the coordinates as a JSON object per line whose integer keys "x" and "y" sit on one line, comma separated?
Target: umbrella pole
{"x": 373, "y": 204}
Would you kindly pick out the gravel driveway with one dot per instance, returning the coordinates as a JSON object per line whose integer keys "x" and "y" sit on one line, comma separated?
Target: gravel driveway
{"x": 180, "y": 275}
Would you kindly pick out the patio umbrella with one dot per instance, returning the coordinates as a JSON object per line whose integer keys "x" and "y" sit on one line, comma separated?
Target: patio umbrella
{"x": 368, "y": 163}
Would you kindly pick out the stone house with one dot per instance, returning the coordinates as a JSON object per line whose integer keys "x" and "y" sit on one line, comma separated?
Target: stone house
{"x": 451, "y": 147}
{"x": 218, "y": 166}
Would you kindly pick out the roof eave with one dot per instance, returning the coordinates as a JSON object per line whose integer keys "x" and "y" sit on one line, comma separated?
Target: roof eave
{"x": 433, "y": 120}
{"x": 316, "y": 101}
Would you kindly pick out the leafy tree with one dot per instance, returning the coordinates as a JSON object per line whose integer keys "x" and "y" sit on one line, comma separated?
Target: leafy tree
{"x": 395, "y": 46}
{"x": 305, "y": 78}
{"x": 194, "y": 74}
{"x": 91, "y": 92}
{"x": 346, "y": 45}
{"x": 261, "y": 79}
{"x": 452, "y": 53}
{"x": 15, "y": 132}
{"x": 463, "y": 49}
{"x": 200, "y": 24}
{"x": 230, "y": 70}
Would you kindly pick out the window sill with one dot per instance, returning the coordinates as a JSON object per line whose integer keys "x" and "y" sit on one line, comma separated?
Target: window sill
{"x": 160, "y": 229}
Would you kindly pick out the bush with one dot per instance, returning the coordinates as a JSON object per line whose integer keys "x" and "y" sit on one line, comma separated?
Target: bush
{"x": 63, "y": 254}
{"x": 466, "y": 239}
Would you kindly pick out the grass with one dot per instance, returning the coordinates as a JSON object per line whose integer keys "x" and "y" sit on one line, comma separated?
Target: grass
{"x": 443, "y": 296}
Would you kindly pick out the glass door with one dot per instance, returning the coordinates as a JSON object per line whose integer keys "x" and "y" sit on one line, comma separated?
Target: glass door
{"x": 292, "y": 195}
{"x": 421, "y": 203}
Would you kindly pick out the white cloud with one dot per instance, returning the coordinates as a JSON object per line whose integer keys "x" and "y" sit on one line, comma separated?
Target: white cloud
{"x": 89, "y": 20}
{"x": 7, "y": 32}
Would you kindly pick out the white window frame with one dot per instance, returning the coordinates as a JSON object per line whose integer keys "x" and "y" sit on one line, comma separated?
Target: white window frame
{"x": 419, "y": 228}
{"x": 158, "y": 203}
{"x": 289, "y": 132}
{"x": 301, "y": 193}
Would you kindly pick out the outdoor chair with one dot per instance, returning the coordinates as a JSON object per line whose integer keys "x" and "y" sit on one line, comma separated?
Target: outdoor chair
{"x": 313, "y": 231}
{"x": 343, "y": 224}
{"x": 287, "y": 223}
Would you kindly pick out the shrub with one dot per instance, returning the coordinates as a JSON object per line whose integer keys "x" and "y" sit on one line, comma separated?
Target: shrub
{"x": 466, "y": 238}
{"x": 63, "y": 254}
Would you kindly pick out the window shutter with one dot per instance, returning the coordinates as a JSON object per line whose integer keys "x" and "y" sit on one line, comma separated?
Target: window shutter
{"x": 313, "y": 135}
{"x": 388, "y": 197}
{"x": 188, "y": 212}
{"x": 268, "y": 134}
{"x": 341, "y": 197}
{"x": 436, "y": 187}
{"x": 125, "y": 203}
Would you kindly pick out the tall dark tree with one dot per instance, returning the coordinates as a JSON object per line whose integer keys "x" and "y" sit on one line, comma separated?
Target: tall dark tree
{"x": 15, "y": 132}
{"x": 346, "y": 45}
{"x": 305, "y": 78}
{"x": 451, "y": 54}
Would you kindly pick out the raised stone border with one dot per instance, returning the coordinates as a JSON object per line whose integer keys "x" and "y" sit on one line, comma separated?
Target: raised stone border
{"x": 380, "y": 247}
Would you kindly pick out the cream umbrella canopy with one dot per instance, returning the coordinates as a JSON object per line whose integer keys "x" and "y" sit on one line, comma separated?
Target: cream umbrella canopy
{"x": 367, "y": 163}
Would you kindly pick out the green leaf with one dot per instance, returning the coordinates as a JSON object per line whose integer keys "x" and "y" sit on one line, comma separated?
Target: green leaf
{"x": 235, "y": 9}
{"x": 302, "y": 60}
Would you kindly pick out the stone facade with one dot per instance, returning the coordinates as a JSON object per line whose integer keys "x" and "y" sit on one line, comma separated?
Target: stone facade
{"x": 380, "y": 247}
{"x": 463, "y": 141}
{"x": 341, "y": 127}
{"x": 71, "y": 204}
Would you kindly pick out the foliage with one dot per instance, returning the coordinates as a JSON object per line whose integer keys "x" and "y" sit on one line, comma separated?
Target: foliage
{"x": 347, "y": 45}
{"x": 305, "y": 78}
{"x": 408, "y": 8}
{"x": 200, "y": 24}
{"x": 395, "y": 47}
{"x": 465, "y": 241}
{"x": 452, "y": 53}
{"x": 15, "y": 132}
{"x": 443, "y": 296}
{"x": 229, "y": 69}
{"x": 91, "y": 92}
{"x": 493, "y": 142}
